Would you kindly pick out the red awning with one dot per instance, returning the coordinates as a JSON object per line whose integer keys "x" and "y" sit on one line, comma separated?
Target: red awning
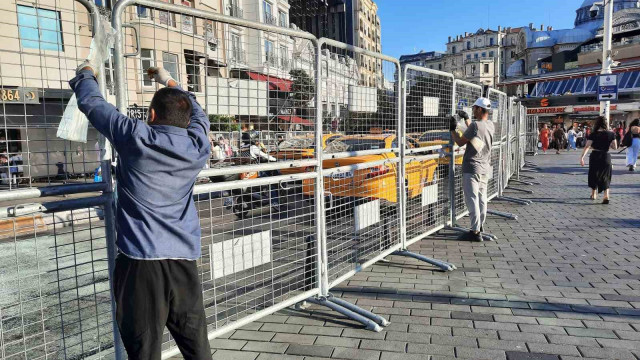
{"x": 275, "y": 83}
{"x": 295, "y": 120}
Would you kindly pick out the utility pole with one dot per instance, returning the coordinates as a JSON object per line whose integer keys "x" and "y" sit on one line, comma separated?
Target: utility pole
{"x": 607, "y": 61}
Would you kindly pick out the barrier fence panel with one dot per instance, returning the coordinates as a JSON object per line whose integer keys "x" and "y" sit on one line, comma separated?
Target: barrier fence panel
{"x": 428, "y": 104}
{"x": 255, "y": 79}
{"x": 361, "y": 164}
{"x": 499, "y": 116}
{"x": 522, "y": 137}
{"x": 47, "y": 41}
{"x": 56, "y": 252}
{"x": 513, "y": 139}
{"x": 464, "y": 97}
{"x": 532, "y": 135}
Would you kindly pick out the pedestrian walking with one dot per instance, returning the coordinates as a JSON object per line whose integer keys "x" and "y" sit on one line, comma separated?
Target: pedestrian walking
{"x": 155, "y": 281}
{"x": 476, "y": 165}
{"x": 571, "y": 134}
{"x": 580, "y": 137}
{"x": 634, "y": 149}
{"x": 558, "y": 138}
{"x": 600, "y": 140}
{"x": 545, "y": 135}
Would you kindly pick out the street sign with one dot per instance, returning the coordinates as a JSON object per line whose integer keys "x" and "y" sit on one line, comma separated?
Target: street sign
{"x": 608, "y": 87}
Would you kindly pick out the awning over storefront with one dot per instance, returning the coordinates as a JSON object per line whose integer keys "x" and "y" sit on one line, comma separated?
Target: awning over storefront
{"x": 275, "y": 83}
{"x": 295, "y": 119}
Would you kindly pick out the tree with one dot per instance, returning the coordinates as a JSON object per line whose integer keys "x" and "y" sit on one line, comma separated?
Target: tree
{"x": 224, "y": 123}
{"x": 303, "y": 91}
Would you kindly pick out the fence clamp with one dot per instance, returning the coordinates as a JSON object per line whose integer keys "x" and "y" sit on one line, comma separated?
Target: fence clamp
{"x": 21, "y": 210}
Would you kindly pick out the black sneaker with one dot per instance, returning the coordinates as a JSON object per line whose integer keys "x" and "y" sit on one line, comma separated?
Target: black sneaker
{"x": 470, "y": 236}
{"x": 632, "y": 168}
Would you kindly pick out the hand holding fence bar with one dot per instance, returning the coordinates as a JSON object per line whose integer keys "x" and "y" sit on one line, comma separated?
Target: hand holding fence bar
{"x": 161, "y": 76}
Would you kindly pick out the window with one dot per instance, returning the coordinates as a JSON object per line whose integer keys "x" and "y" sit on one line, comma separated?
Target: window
{"x": 270, "y": 57}
{"x": 491, "y": 53}
{"x": 453, "y": 49}
{"x": 146, "y": 61}
{"x": 39, "y": 28}
{"x": 513, "y": 54}
{"x": 236, "y": 48}
{"x": 282, "y": 17}
{"x": 144, "y": 12}
{"x": 284, "y": 58}
{"x": 170, "y": 63}
{"x": 167, "y": 18}
{"x": 439, "y": 66}
{"x": 187, "y": 21}
{"x": 484, "y": 54}
{"x": 193, "y": 72}
{"x": 475, "y": 56}
{"x": 491, "y": 41}
{"x": 486, "y": 68}
{"x": 468, "y": 56}
{"x": 468, "y": 45}
{"x": 473, "y": 69}
{"x": 268, "y": 13}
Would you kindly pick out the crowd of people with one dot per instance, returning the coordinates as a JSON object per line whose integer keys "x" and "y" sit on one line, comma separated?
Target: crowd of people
{"x": 600, "y": 140}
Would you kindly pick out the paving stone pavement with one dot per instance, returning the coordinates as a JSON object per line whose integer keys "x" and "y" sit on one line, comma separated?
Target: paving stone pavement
{"x": 561, "y": 282}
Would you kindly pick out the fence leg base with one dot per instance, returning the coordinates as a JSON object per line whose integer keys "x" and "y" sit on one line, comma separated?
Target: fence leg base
{"x": 443, "y": 265}
{"x": 503, "y": 214}
{"x": 358, "y": 310}
{"x": 521, "y": 190}
{"x": 529, "y": 177}
{"x": 485, "y": 236}
{"x": 521, "y": 182}
{"x": 368, "y": 322}
{"x": 515, "y": 200}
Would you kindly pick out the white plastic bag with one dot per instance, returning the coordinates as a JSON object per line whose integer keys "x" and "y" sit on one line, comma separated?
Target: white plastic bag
{"x": 74, "y": 124}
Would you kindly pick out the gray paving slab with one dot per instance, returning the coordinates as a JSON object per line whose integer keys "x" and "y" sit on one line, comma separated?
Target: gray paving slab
{"x": 561, "y": 282}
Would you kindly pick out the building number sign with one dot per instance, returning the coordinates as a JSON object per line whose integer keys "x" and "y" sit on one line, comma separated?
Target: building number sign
{"x": 19, "y": 95}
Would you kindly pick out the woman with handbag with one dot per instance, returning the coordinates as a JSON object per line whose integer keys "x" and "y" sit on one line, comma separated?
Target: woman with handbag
{"x": 632, "y": 141}
{"x": 601, "y": 140}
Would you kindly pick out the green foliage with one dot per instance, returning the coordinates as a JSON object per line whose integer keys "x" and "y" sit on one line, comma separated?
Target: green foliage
{"x": 302, "y": 89}
{"x": 223, "y": 123}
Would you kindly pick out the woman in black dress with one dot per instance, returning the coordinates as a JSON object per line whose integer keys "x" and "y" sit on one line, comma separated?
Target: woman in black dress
{"x": 600, "y": 140}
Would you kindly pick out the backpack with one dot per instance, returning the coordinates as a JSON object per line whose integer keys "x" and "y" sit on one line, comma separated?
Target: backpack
{"x": 627, "y": 140}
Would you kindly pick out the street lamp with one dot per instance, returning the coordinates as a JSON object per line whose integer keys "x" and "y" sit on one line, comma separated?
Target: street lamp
{"x": 607, "y": 60}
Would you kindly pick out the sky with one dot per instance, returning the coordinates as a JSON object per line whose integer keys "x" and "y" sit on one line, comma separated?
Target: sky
{"x": 411, "y": 25}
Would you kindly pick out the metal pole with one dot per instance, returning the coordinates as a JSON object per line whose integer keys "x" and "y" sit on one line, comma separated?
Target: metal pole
{"x": 605, "y": 106}
{"x": 452, "y": 163}
{"x": 321, "y": 230}
{"x": 401, "y": 104}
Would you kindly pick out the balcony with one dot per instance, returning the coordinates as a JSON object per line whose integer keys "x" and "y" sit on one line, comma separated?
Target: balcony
{"x": 270, "y": 19}
{"x": 480, "y": 59}
{"x": 236, "y": 11}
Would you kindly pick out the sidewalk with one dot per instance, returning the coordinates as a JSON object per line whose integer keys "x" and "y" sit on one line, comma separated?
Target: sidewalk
{"x": 561, "y": 282}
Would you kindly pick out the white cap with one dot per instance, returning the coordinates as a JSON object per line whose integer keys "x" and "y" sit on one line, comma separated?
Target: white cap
{"x": 483, "y": 103}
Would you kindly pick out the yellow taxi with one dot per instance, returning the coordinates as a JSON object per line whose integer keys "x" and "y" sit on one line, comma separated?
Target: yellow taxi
{"x": 378, "y": 182}
{"x": 435, "y": 138}
{"x": 301, "y": 147}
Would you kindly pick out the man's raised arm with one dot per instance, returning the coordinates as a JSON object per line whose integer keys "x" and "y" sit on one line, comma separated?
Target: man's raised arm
{"x": 116, "y": 127}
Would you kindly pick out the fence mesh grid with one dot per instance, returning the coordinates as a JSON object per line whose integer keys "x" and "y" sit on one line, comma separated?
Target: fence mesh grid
{"x": 428, "y": 98}
{"x": 259, "y": 236}
{"x": 37, "y": 59}
{"x": 465, "y": 95}
{"x": 361, "y": 164}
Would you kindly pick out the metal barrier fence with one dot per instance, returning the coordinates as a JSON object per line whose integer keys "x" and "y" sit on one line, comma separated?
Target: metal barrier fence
{"x": 57, "y": 253}
{"x": 326, "y": 159}
{"x": 533, "y": 134}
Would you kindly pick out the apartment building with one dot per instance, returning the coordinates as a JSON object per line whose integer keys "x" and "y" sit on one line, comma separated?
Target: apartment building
{"x": 367, "y": 35}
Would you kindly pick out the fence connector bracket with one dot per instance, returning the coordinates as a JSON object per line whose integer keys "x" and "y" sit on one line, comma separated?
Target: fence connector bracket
{"x": 443, "y": 265}
{"x": 366, "y": 318}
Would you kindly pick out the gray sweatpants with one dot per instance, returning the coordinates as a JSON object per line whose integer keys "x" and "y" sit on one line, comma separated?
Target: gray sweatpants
{"x": 475, "y": 197}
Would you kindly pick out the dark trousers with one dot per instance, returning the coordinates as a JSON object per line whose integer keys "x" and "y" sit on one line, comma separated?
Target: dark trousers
{"x": 152, "y": 294}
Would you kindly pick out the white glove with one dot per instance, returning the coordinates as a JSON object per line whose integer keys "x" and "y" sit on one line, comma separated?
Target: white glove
{"x": 88, "y": 63}
{"x": 160, "y": 75}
